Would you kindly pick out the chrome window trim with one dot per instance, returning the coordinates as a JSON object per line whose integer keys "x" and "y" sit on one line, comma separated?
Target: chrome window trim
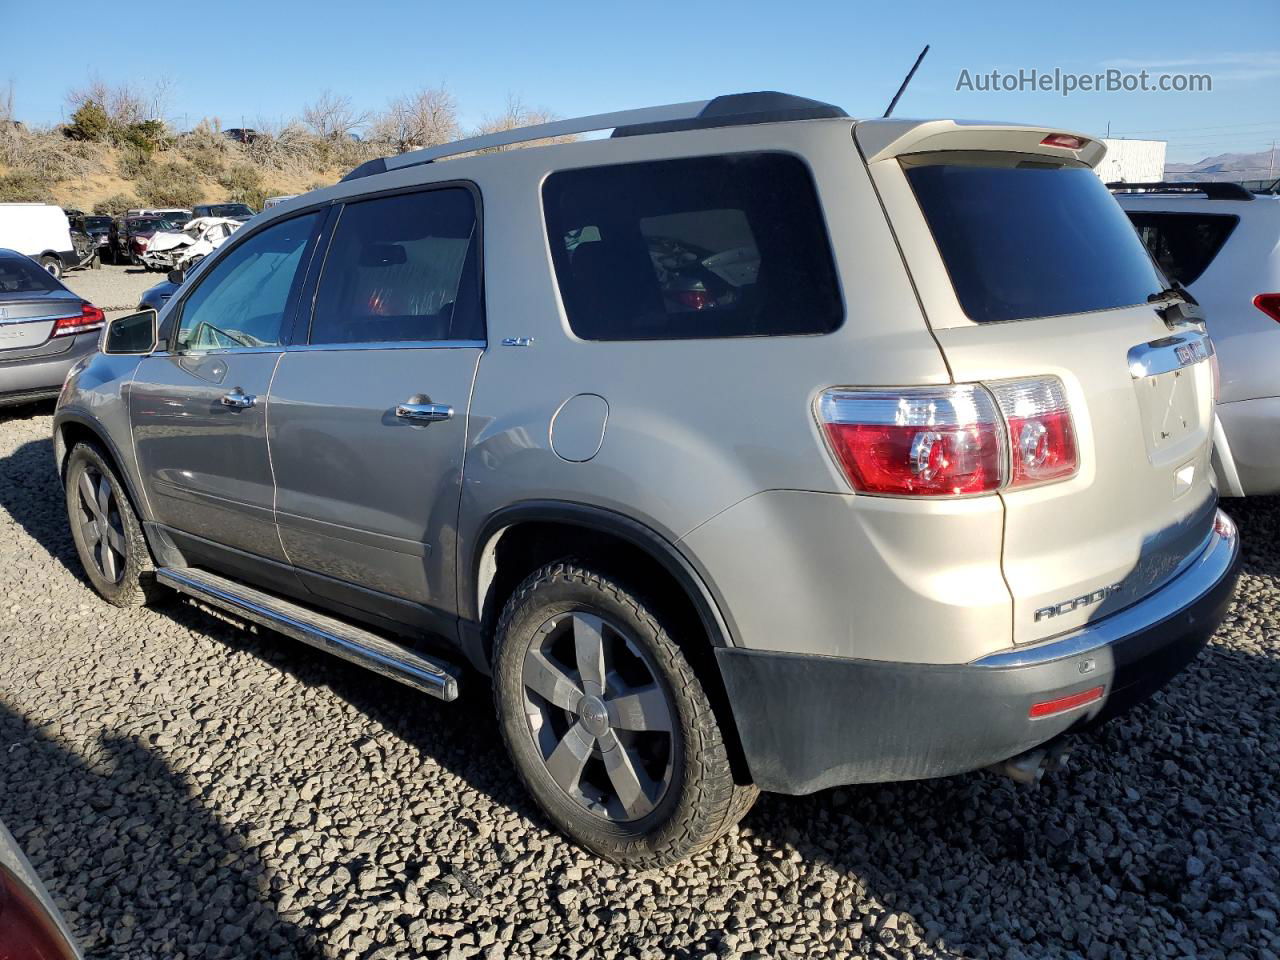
{"x": 388, "y": 345}
{"x": 1207, "y": 569}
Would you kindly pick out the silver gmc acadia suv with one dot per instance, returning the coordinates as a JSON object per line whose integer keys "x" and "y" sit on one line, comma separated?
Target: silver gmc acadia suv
{"x": 749, "y": 448}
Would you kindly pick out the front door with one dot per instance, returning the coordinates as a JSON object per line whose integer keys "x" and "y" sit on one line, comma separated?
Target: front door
{"x": 199, "y": 407}
{"x": 368, "y": 418}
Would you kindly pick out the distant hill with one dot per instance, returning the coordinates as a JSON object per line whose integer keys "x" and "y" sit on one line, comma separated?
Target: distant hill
{"x": 1226, "y": 166}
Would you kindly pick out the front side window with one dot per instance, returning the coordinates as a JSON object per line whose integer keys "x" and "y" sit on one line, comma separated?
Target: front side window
{"x": 242, "y": 299}
{"x": 725, "y": 246}
{"x": 1183, "y": 244}
{"x": 402, "y": 268}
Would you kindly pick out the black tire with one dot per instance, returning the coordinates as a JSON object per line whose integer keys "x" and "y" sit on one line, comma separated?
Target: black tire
{"x": 119, "y": 566}
{"x": 694, "y": 800}
{"x": 53, "y": 265}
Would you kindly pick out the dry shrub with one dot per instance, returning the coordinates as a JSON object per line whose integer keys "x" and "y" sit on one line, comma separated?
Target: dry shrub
{"x": 170, "y": 183}
{"x": 25, "y": 187}
{"x": 115, "y": 205}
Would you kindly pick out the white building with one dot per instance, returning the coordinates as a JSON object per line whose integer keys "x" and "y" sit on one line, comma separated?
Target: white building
{"x": 1132, "y": 161}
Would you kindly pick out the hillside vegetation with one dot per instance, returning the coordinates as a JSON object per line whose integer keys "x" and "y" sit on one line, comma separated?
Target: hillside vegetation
{"x": 111, "y": 156}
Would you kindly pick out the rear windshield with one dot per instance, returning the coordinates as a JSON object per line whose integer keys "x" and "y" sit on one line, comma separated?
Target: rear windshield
{"x": 705, "y": 247}
{"x": 1183, "y": 244}
{"x": 1023, "y": 239}
{"x": 22, "y": 275}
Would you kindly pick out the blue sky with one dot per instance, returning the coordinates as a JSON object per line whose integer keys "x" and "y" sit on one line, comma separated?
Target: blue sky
{"x": 248, "y": 61}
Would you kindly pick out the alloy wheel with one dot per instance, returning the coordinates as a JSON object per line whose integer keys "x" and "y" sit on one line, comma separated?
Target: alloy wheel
{"x": 101, "y": 526}
{"x": 599, "y": 716}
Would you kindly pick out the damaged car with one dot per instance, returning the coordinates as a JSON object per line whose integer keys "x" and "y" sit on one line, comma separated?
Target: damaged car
{"x": 183, "y": 249}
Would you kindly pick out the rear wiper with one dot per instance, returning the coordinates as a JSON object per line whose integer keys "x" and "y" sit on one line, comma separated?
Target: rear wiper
{"x": 1176, "y": 305}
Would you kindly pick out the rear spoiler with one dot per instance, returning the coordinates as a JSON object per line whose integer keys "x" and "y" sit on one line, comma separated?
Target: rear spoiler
{"x": 883, "y": 139}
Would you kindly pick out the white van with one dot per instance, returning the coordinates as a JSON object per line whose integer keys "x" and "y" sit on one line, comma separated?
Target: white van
{"x": 41, "y": 231}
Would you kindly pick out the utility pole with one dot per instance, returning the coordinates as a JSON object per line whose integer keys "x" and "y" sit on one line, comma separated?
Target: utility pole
{"x": 1272, "y": 172}
{"x": 1108, "y": 129}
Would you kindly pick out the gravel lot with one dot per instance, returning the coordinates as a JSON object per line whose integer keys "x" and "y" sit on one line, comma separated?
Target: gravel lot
{"x": 190, "y": 789}
{"x": 114, "y": 289}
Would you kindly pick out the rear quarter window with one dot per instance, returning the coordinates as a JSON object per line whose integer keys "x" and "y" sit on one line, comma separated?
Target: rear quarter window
{"x": 1183, "y": 244}
{"x": 703, "y": 247}
{"x": 1023, "y": 239}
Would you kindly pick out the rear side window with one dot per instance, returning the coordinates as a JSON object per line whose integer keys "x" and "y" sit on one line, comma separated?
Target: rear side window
{"x": 402, "y": 268}
{"x": 1023, "y": 239}
{"x": 1183, "y": 244}
{"x": 23, "y": 275}
{"x": 727, "y": 246}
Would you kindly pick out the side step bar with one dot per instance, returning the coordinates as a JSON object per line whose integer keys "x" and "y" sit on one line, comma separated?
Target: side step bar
{"x": 330, "y": 634}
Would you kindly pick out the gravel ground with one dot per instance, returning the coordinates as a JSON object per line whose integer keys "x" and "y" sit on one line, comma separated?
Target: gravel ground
{"x": 114, "y": 289}
{"x": 191, "y": 789}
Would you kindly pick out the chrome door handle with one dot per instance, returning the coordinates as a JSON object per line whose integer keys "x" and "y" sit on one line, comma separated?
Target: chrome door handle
{"x": 237, "y": 399}
{"x": 424, "y": 412}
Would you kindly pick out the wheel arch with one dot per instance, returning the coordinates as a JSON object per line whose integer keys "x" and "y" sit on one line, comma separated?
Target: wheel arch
{"x": 477, "y": 595}
{"x": 73, "y": 428}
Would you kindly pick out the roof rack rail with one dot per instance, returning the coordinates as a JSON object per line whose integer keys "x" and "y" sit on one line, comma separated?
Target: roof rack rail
{"x": 730, "y": 110}
{"x": 1213, "y": 189}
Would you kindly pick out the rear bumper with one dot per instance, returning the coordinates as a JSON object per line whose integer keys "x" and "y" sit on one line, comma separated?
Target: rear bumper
{"x": 40, "y": 377}
{"x": 808, "y": 722}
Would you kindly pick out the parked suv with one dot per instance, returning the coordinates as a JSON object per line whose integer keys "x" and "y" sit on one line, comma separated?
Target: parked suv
{"x": 751, "y": 448}
{"x": 1222, "y": 242}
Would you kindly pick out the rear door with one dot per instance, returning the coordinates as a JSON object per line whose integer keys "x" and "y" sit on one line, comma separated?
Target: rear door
{"x": 368, "y": 416}
{"x": 199, "y": 407}
{"x": 1027, "y": 267}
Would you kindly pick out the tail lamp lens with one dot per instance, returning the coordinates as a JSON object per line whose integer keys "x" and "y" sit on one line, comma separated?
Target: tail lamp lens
{"x": 1042, "y": 439}
{"x": 88, "y": 319}
{"x": 951, "y": 441}
{"x": 1268, "y": 303}
{"x": 26, "y": 930}
{"x": 920, "y": 442}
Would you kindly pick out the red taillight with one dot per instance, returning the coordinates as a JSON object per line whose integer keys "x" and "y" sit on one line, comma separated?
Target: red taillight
{"x": 918, "y": 442}
{"x": 27, "y": 932}
{"x": 1065, "y": 140}
{"x": 1268, "y": 303}
{"x": 88, "y": 319}
{"x": 1042, "y": 439}
{"x": 1075, "y": 701}
{"x": 951, "y": 441}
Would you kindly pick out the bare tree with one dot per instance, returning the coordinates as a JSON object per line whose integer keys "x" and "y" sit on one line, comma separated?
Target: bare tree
{"x": 161, "y": 95}
{"x": 123, "y": 104}
{"x": 333, "y": 117}
{"x": 416, "y": 120}
{"x": 518, "y": 114}
{"x": 6, "y": 105}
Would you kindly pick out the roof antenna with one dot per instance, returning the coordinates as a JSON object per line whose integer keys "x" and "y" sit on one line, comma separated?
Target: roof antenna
{"x": 910, "y": 73}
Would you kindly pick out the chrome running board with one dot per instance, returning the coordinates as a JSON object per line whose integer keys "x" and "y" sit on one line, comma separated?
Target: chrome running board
{"x": 360, "y": 646}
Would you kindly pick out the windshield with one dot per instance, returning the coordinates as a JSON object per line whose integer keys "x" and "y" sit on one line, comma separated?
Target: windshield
{"x": 229, "y": 210}
{"x": 22, "y": 275}
{"x": 97, "y": 223}
{"x": 1024, "y": 239}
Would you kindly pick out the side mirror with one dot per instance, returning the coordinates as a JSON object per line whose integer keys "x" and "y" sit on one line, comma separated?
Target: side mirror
{"x": 177, "y": 275}
{"x": 134, "y": 334}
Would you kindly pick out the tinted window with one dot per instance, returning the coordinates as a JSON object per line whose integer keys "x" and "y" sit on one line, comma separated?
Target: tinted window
{"x": 22, "y": 275}
{"x": 402, "y": 268}
{"x": 1183, "y": 244}
{"x": 241, "y": 300}
{"x": 1026, "y": 239}
{"x": 731, "y": 246}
